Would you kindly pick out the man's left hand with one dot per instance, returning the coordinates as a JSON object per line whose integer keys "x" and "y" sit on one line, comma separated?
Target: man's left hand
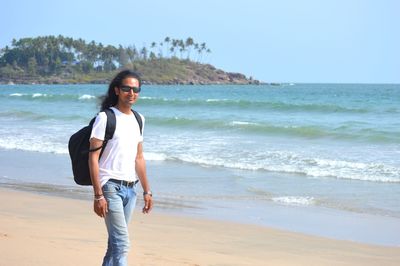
{"x": 148, "y": 203}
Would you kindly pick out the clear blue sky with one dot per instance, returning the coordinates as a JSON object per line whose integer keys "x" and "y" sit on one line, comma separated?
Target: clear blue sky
{"x": 350, "y": 41}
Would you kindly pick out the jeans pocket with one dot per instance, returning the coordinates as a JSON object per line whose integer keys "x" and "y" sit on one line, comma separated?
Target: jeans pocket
{"x": 135, "y": 187}
{"x": 110, "y": 187}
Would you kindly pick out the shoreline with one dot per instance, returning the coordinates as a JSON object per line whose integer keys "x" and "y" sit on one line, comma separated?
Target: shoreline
{"x": 50, "y": 175}
{"x": 44, "y": 230}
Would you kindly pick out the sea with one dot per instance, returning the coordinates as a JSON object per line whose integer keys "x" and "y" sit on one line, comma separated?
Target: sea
{"x": 319, "y": 159}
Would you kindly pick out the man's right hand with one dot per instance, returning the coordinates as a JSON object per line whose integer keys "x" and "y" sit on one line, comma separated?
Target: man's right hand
{"x": 100, "y": 207}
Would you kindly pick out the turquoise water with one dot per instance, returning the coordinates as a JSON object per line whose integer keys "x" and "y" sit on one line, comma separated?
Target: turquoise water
{"x": 330, "y": 146}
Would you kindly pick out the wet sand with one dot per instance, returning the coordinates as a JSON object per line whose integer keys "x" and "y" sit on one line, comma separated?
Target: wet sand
{"x": 47, "y": 230}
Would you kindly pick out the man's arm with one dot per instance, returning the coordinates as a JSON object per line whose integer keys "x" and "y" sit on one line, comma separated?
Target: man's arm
{"x": 141, "y": 172}
{"x": 99, "y": 204}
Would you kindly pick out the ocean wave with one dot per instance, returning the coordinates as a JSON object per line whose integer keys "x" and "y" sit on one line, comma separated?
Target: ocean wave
{"x": 86, "y": 97}
{"x": 346, "y": 133}
{"x": 376, "y": 172}
{"x": 36, "y": 145}
{"x": 150, "y": 156}
{"x": 41, "y": 144}
{"x": 260, "y": 105}
{"x": 217, "y": 100}
{"x": 223, "y": 103}
{"x": 24, "y": 115}
{"x": 242, "y": 123}
{"x": 33, "y": 116}
{"x": 270, "y": 161}
{"x": 295, "y": 200}
{"x": 45, "y": 97}
{"x": 36, "y": 95}
{"x": 288, "y": 163}
{"x": 325, "y": 201}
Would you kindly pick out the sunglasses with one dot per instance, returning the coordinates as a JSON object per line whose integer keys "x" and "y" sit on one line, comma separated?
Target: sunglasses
{"x": 125, "y": 88}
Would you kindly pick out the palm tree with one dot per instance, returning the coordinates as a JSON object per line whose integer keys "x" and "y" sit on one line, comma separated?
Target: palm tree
{"x": 208, "y": 51}
{"x": 175, "y": 44}
{"x": 123, "y": 59}
{"x": 167, "y": 41}
{"x": 153, "y": 46}
{"x": 132, "y": 53}
{"x": 196, "y": 47}
{"x": 152, "y": 56}
{"x": 203, "y": 48}
{"x": 143, "y": 53}
{"x": 181, "y": 47}
{"x": 160, "y": 49}
{"x": 189, "y": 42}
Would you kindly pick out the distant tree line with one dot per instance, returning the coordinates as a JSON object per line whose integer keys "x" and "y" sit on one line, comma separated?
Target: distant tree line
{"x": 52, "y": 55}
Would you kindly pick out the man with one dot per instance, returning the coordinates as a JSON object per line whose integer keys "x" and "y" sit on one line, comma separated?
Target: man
{"x": 115, "y": 175}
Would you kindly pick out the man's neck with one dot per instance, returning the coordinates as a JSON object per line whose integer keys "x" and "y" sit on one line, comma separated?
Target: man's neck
{"x": 126, "y": 109}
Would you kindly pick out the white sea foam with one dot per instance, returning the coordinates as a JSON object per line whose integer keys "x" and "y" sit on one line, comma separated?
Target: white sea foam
{"x": 282, "y": 162}
{"x": 36, "y": 95}
{"x": 219, "y": 162}
{"x": 340, "y": 164}
{"x": 17, "y": 94}
{"x": 242, "y": 123}
{"x": 35, "y": 145}
{"x": 376, "y": 172}
{"x": 86, "y": 97}
{"x": 293, "y": 200}
{"x": 150, "y": 156}
{"x": 216, "y": 100}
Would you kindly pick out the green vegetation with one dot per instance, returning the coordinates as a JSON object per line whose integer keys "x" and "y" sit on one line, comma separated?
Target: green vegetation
{"x": 60, "y": 59}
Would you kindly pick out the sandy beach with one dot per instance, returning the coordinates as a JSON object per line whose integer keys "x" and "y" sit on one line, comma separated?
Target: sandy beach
{"x": 45, "y": 230}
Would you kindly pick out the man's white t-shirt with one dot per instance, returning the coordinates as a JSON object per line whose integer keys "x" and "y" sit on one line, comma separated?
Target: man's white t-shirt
{"x": 118, "y": 158}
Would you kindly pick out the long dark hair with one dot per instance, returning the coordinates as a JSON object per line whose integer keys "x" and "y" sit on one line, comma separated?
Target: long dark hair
{"x": 111, "y": 99}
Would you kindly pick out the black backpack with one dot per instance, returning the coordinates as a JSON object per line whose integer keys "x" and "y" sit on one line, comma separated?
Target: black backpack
{"x": 79, "y": 146}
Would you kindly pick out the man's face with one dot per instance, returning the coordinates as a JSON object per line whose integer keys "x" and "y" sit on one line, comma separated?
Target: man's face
{"x": 125, "y": 92}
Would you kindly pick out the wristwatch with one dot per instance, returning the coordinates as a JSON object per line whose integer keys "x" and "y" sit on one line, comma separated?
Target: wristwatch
{"x": 148, "y": 193}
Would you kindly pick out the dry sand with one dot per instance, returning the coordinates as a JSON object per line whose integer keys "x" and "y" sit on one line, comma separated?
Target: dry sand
{"x": 44, "y": 230}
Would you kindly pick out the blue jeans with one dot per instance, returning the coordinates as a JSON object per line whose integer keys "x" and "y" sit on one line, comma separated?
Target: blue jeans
{"x": 121, "y": 202}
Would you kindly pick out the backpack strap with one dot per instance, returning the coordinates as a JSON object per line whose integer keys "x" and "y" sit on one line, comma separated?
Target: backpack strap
{"x": 139, "y": 120}
{"x": 111, "y": 124}
{"x": 110, "y": 129}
